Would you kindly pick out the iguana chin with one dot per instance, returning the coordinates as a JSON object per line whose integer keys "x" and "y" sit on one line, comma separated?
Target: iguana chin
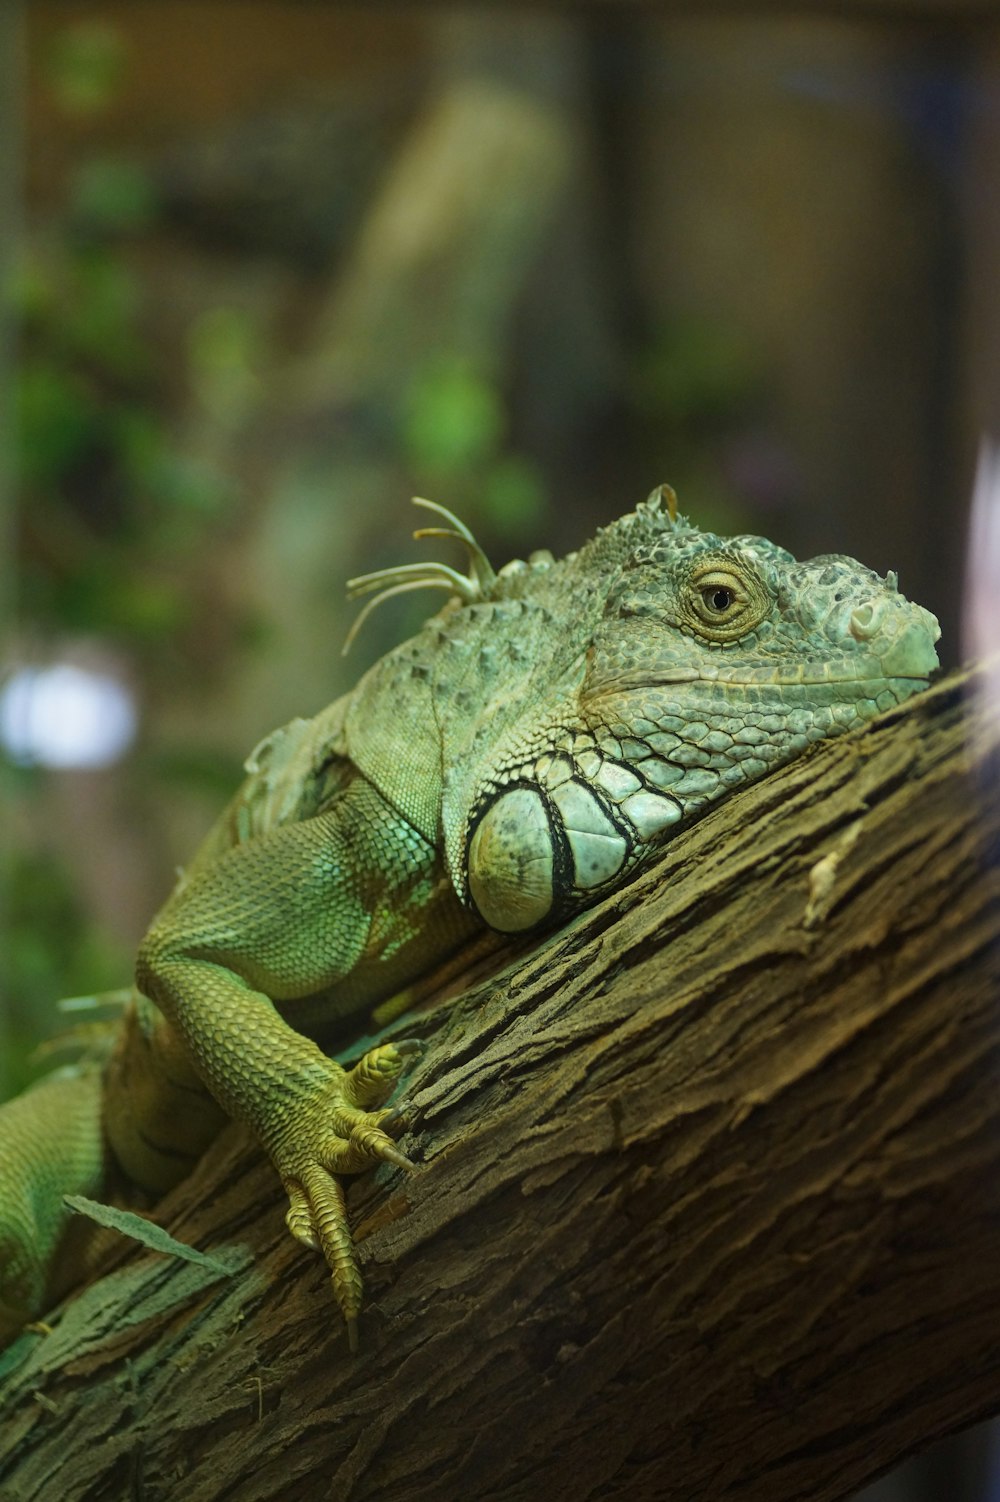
{"x": 508, "y": 765}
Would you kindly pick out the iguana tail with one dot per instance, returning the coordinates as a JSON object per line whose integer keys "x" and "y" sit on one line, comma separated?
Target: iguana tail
{"x": 159, "y": 1117}
{"x": 51, "y": 1144}
{"x": 130, "y": 1113}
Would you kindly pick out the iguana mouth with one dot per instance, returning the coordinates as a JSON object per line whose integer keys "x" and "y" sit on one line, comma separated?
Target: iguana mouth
{"x": 760, "y": 679}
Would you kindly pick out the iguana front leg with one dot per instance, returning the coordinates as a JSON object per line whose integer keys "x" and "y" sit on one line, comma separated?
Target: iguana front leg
{"x": 290, "y": 913}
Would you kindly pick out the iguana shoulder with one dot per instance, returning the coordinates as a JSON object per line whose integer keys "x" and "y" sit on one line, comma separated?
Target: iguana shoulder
{"x": 291, "y": 775}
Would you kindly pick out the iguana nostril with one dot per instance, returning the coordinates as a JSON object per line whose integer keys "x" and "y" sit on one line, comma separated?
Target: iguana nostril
{"x": 864, "y": 622}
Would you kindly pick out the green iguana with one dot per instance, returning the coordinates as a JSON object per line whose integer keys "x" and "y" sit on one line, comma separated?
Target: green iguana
{"x": 507, "y": 766}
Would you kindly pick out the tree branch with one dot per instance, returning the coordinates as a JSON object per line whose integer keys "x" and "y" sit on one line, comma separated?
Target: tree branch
{"x": 710, "y": 1203}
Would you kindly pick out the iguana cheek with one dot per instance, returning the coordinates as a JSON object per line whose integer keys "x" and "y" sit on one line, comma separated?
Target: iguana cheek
{"x": 511, "y": 862}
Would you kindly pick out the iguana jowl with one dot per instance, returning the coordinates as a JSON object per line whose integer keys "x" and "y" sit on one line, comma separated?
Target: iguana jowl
{"x": 508, "y": 765}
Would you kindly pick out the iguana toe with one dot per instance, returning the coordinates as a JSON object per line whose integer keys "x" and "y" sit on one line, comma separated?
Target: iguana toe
{"x": 333, "y": 1132}
{"x": 317, "y": 1217}
{"x": 371, "y": 1081}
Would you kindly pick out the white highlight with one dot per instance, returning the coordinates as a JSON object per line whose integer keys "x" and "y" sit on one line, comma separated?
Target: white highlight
{"x": 981, "y": 626}
{"x": 66, "y": 717}
{"x": 981, "y": 615}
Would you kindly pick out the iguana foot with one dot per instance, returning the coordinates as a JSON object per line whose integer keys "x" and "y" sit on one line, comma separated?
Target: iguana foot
{"x": 339, "y": 1132}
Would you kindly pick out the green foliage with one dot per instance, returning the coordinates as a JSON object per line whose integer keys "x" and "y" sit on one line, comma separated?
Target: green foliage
{"x": 454, "y": 420}
{"x": 514, "y": 497}
{"x": 98, "y": 314}
{"x": 224, "y": 352}
{"x": 114, "y": 518}
{"x": 696, "y": 374}
{"x": 111, "y": 512}
{"x": 454, "y": 433}
{"x": 112, "y": 196}
{"x": 51, "y": 948}
{"x": 210, "y": 775}
{"x": 86, "y": 67}
{"x": 693, "y": 386}
{"x": 55, "y": 421}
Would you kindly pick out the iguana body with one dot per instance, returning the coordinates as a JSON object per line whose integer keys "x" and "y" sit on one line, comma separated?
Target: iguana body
{"x": 508, "y": 765}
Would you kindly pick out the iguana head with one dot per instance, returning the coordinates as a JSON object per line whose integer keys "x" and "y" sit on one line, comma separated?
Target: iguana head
{"x": 742, "y": 622}
{"x": 707, "y": 662}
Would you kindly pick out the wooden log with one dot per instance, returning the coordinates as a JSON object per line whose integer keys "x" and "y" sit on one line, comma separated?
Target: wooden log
{"x": 709, "y": 1205}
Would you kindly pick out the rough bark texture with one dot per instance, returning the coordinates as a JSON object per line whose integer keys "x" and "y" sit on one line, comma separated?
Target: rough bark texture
{"x": 710, "y": 1204}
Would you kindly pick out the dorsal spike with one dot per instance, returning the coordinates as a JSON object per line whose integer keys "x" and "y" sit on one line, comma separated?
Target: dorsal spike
{"x": 664, "y": 497}
{"x": 405, "y": 577}
{"x": 480, "y": 567}
{"x": 406, "y": 573}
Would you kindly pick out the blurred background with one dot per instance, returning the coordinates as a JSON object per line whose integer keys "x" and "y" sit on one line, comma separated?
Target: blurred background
{"x": 269, "y": 269}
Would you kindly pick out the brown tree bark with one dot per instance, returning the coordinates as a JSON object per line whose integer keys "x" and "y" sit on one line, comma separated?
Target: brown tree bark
{"x": 709, "y": 1205}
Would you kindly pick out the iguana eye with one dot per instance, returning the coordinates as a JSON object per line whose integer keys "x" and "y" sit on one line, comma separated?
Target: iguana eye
{"x": 723, "y": 602}
{"x": 718, "y": 598}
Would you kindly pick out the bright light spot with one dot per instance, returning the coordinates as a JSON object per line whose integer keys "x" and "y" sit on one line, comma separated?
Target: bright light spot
{"x": 982, "y": 606}
{"x": 65, "y": 716}
{"x": 981, "y": 624}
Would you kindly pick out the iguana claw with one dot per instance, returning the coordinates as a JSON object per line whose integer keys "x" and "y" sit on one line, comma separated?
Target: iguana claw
{"x": 332, "y": 1137}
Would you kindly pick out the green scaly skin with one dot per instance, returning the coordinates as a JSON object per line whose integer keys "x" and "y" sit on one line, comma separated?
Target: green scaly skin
{"x": 509, "y": 765}
{"x": 51, "y": 1143}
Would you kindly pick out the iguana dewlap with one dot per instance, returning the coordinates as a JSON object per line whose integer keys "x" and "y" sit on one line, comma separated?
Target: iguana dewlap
{"x": 508, "y": 765}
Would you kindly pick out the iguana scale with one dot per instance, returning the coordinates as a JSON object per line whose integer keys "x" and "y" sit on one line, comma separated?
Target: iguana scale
{"x": 508, "y": 765}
